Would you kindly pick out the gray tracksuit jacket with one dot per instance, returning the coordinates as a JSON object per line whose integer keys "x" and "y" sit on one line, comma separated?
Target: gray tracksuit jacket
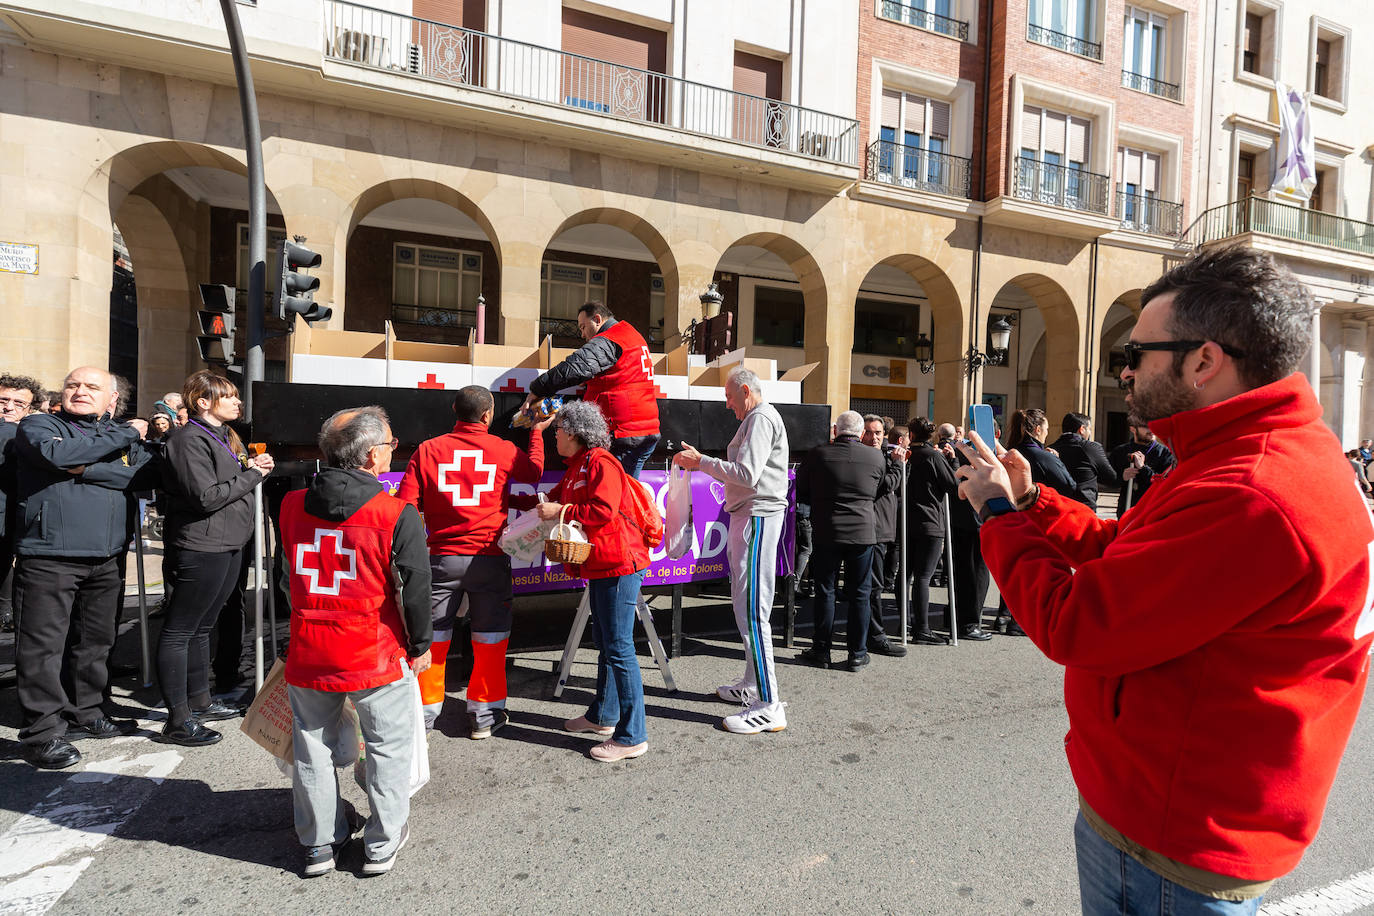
{"x": 754, "y": 470}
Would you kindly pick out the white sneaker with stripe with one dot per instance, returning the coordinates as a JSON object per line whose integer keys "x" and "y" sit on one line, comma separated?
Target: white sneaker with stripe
{"x": 738, "y": 694}
{"x": 760, "y": 717}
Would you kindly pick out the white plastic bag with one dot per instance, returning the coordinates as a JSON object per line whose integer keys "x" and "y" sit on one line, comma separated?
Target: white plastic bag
{"x": 523, "y": 538}
{"x": 419, "y": 756}
{"x": 677, "y": 505}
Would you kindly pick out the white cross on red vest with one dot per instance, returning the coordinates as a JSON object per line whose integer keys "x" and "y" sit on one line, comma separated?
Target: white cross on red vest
{"x": 334, "y": 563}
{"x": 452, "y": 479}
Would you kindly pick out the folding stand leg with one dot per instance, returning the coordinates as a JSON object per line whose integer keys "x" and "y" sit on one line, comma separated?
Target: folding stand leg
{"x": 579, "y": 627}
{"x": 646, "y": 617}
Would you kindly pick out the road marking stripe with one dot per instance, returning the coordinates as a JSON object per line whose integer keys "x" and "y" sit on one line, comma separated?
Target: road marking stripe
{"x": 1347, "y": 896}
{"x": 46, "y": 850}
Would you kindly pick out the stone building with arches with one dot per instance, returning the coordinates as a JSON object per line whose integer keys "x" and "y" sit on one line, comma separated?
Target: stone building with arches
{"x": 634, "y": 150}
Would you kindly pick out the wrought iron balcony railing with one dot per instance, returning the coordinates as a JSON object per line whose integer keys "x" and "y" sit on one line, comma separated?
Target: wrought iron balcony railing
{"x": 1080, "y": 46}
{"x": 923, "y": 19}
{"x": 1149, "y": 214}
{"x": 565, "y": 328}
{"x": 1268, "y": 217}
{"x": 913, "y": 167}
{"x": 1142, "y": 83}
{"x": 457, "y": 56}
{"x": 434, "y": 317}
{"x": 1076, "y": 189}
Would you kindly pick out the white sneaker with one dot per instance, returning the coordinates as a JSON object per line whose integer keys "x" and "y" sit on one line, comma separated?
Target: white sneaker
{"x": 738, "y": 694}
{"x": 760, "y": 717}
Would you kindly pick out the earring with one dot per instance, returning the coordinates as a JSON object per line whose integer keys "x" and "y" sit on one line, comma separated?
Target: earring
{"x": 1197, "y": 385}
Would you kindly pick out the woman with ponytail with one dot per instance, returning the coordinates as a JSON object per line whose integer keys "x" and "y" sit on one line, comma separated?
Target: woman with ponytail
{"x": 209, "y": 478}
{"x": 1026, "y": 434}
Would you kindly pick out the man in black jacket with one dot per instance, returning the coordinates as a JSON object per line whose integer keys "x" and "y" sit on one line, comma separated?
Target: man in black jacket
{"x": 1085, "y": 459}
{"x": 18, "y": 394}
{"x": 76, "y": 471}
{"x": 885, "y": 524}
{"x": 840, "y": 481}
{"x": 1138, "y": 460}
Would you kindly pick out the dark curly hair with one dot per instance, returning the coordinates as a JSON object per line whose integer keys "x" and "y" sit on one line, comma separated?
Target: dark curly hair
{"x": 1244, "y": 299}
{"x": 921, "y": 429}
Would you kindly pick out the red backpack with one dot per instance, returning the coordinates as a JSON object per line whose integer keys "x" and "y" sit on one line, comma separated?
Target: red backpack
{"x": 638, "y": 509}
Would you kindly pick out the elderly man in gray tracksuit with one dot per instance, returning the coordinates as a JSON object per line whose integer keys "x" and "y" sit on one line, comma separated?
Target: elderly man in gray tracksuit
{"x": 754, "y": 472}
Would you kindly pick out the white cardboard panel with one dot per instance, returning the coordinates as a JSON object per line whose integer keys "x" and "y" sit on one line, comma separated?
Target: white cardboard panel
{"x": 314, "y": 369}
{"x": 497, "y": 379}
{"x": 407, "y": 373}
{"x": 782, "y": 392}
{"x": 704, "y": 393}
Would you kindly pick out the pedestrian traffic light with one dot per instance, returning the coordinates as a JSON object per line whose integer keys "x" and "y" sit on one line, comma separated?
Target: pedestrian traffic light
{"x": 216, "y": 337}
{"x": 296, "y": 291}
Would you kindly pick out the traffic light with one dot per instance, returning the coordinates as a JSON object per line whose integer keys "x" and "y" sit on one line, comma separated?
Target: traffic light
{"x": 296, "y": 291}
{"x": 216, "y": 338}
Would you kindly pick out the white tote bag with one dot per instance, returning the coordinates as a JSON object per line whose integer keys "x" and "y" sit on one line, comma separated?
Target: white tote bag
{"x": 523, "y": 538}
{"x": 677, "y": 505}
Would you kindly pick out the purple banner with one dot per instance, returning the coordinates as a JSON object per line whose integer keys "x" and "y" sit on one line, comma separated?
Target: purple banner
{"x": 705, "y": 560}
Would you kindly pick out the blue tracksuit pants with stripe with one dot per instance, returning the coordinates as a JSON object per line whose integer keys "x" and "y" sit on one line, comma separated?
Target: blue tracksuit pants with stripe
{"x": 753, "y": 554}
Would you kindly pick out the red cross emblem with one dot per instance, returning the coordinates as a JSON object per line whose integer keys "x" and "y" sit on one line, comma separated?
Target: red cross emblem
{"x": 510, "y": 386}
{"x": 334, "y": 562}
{"x": 451, "y": 479}
{"x": 430, "y": 382}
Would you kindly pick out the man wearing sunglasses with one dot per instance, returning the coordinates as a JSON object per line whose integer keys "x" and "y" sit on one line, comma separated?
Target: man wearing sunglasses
{"x": 1215, "y": 638}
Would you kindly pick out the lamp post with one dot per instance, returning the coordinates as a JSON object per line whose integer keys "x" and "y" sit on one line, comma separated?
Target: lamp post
{"x": 925, "y": 354}
{"x": 999, "y": 332}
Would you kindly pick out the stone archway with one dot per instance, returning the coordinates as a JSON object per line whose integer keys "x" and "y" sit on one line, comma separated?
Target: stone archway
{"x": 1063, "y": 342}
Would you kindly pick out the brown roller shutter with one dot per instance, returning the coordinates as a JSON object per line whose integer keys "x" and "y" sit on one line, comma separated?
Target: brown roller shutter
{"x": 1054, "y": 132}
{"x": 602, "y": 77}
{"x": 915, "y": 114}
{"x": 1078, "y": 140}
{"x": 447, "y": 53}
{"x": 1030, "y": 128}
{"x": 755, "y": 120}
{"x": 939, "y": 118}
{"x": 892, "y": 109}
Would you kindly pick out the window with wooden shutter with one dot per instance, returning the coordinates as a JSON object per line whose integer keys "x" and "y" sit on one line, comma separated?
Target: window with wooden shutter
{"x": 759, "y": 119}
{"x": 1055, "y": 124}
{"x": 1030, "y": 128}
{"x": 939, "y": 118}
{"x": 615, "y": 68}
{"x": 1078, "y": 141}
{"x": 891, "y": 115}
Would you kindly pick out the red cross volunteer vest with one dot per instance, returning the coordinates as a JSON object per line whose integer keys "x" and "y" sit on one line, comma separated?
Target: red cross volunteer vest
{"x": 346, "y": 629}
{"x": 626, "y": 392}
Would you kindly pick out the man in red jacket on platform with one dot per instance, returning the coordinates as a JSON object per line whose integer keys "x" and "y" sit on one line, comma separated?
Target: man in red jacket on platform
{"x": 459, "y": 481}
{"x": 618, "y": 370}
{"x": 1216, "y": 638}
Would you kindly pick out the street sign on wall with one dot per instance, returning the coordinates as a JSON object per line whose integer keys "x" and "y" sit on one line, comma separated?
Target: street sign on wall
{"x": 18, "y": 258}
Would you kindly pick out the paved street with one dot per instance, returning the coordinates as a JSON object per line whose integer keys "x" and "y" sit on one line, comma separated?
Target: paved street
{"x": 931, "y": 784}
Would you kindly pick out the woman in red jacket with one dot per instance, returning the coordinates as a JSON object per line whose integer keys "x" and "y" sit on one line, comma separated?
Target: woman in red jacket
{"x": 593, "y": 488}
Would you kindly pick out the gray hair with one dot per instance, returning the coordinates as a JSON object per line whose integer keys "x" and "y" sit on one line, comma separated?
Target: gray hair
{"x": 348, "y": 435}
{"x": 741, "y": 377}
{"x": 584, "y": 421}
{"x": 946, "y": 431}
{"x": 849, "y": 423}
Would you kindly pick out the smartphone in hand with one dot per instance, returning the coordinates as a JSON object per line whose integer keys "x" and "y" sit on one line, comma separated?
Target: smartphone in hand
{"x": 980, "y": 421}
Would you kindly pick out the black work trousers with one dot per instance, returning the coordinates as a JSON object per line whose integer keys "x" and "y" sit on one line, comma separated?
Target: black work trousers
{"x": 204, "y": 581}
{"x": 971, "y": 579}
{"x": 68, "y": 608}
{"x": 226, "y": 648}
{"x": 877, "y": 574}
{"x": 856, "y": 559}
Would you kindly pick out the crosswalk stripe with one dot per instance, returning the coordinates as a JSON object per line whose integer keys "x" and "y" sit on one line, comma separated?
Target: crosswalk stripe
{"x": 1346, "y": 896}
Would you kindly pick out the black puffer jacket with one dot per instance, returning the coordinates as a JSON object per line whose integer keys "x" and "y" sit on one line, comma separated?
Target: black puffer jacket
{"x": 209, "y": 491}
{"x": 90, "y": 514}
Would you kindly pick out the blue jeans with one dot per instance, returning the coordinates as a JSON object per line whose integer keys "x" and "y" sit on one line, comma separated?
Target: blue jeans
{"x": 1111, "y": 883}
{"x": 633, "y": 451}
{"x": 857, "y": 561}
{"x": 619, "y": 687}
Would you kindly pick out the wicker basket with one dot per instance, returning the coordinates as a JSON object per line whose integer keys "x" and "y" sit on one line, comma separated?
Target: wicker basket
{"x": 559, "y": 550}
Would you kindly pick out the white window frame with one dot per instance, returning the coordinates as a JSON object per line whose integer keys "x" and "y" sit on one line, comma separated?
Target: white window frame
{"x": 462, "y": 272}
{"x": 1326, "y": 30}
{"x": 957, "y": 92}
{"x": 1159, "y": 56}
{"x": 923, "y": 164}
{"x": 590, "y": 290}
{"x": 960, "y": 10}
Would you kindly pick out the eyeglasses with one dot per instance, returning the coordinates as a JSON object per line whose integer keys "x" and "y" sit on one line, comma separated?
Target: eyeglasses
{"x": 15, "y": 402}
{"x": 389, "y": 444}
{"x": 1134, "y": 350}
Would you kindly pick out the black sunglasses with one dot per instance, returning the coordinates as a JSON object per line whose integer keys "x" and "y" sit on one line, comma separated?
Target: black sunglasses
{"x": 1134, "y": 350}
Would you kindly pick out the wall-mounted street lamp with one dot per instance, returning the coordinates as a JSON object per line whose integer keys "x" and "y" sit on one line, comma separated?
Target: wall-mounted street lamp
{"x": 925, "y": 354}
{"x": 999, "y": 334}
{"x": 711, "y": 301}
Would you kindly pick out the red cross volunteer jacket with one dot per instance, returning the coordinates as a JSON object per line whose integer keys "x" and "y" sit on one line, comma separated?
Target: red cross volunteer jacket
{"x": 460, "y": 482}
{"x": 349, "y": 547}
{"x": 625, "y": 392}
{"x": 1215, "y": 639}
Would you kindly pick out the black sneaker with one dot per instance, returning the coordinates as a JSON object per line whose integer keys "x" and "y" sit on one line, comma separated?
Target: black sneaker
{"x": 373, "y": 866}
{"x": 190, "y": 734}
{"x": 101, "y": 728}
{"x": 478, "y": 732}
{"x": 217, "y": 711}
{"x": 56, "y": 754}
{"x": 886, "y": 647}
{"x": 815, "y": 656}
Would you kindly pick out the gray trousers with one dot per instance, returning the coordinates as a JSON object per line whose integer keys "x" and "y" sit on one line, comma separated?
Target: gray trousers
{"x": 387, "y": 717}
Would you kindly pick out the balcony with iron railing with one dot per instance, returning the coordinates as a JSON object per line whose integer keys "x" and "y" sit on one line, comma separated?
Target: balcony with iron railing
{"x": 1279, "y": 220}
{"x": 1071, "y": 43}
{"x": 1074, "y": 189}
{"x": 1142, "y": 83}
{"x": 919, "y": 169}
{"x": 895, "y": 11}
{"x": 1140, "y": 213}
{"x": 451, "y": 55}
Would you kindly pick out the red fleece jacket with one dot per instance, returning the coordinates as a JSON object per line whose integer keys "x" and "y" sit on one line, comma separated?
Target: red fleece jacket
{"x": 593, "y": 487}
{"x": 1215, "y": 639}
{"x": 459, "y": 481}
